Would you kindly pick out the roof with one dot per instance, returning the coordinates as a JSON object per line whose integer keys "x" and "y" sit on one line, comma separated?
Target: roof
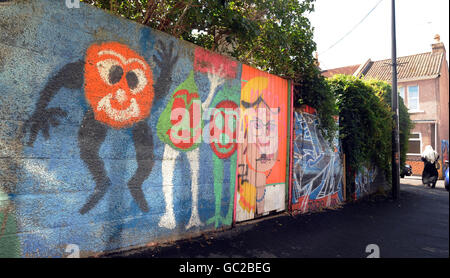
{"x": 413, "y": 67}
{"x": 418, "y": 66}
{"x": 348, "y": 70}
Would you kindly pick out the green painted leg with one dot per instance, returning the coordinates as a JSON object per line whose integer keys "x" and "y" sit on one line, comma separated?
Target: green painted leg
{"x": 218, "y": 180}
{"x": 9, "y": 241}
{"x": 229, "y": 217}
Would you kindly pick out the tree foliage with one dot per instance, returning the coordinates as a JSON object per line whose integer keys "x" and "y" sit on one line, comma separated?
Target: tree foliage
{"x": 384, "y": 92}
{"x": 272, "y": 35}
{"x": 365, "y": 123}
{"x": 313, "y": 90}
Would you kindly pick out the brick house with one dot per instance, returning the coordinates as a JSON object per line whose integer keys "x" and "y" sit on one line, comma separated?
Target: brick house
{"x": 423, "y": 83}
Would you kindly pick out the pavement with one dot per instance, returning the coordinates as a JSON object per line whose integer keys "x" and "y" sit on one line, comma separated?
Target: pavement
{"x": 415, "y": 226}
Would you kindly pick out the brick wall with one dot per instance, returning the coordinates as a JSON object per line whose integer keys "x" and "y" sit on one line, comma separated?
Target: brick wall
{"x": 417, "y": 166}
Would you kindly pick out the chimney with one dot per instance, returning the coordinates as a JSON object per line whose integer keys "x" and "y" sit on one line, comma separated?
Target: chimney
{"x": 438, "y": 46}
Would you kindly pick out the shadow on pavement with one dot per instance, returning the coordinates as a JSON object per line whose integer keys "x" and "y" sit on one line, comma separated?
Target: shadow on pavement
{"x": 415, "y": 226}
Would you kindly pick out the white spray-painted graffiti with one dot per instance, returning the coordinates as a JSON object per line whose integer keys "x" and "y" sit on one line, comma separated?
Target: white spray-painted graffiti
{"x": 317, "y": 172}
{"x": 363, "y": 181}
{"x": 171, "y": 153}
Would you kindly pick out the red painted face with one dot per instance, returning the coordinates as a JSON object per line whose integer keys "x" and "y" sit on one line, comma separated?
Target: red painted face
{"x": 223, "y": 129}
{"x": 118, "y": 84}
{"x": 186, "y": 127}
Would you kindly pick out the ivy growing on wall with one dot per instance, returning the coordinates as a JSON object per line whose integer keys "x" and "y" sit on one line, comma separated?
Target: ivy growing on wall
{"x": 365, "y": 124}
{"x": 384, "y": 91}
{"x": 314, "y": 90}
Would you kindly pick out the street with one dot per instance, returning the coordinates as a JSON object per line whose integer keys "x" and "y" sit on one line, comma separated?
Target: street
{"x": 417, "y": 226}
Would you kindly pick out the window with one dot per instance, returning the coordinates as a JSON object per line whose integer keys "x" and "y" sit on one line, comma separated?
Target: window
{"x": 401, "y": 91}
{"x": 413, "y": 98}
{"x": 415, "y": 144}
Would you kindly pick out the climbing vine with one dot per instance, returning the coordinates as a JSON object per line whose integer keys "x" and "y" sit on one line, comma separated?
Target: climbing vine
{"x": 384, "y": 92}
{"x": 365, "y": 124}
{"x": 314, "y": 90}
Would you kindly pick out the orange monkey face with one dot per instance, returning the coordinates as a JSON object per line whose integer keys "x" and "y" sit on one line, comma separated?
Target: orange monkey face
{"x": 118, "y": 84}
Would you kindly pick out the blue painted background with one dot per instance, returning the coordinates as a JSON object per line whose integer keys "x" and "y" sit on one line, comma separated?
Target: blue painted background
{"x": 53, "y": 183}
{"x": 317, "y": 171}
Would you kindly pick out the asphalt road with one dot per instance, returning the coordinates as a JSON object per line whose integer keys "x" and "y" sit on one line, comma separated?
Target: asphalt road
{"x": 416, "y": 226}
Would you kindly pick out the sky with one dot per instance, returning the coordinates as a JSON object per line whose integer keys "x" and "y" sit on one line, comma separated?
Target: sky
{"x": 417, "y": 22}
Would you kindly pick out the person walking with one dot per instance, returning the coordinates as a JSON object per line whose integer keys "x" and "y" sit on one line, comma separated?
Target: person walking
{"x": 430, "y": 174}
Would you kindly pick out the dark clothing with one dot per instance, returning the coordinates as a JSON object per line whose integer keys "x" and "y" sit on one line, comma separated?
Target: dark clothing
{"x": 430, "y": 173}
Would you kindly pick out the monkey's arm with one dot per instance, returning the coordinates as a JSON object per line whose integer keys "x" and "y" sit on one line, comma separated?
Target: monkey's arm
{"x": 70, "y": 76}
{"x": 166, "y": 62}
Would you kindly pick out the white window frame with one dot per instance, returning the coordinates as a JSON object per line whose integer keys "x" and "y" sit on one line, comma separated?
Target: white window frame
{"x": 400, "y": 92}
{"x": 416, "y": 139}
{"x": 418, "y": 99}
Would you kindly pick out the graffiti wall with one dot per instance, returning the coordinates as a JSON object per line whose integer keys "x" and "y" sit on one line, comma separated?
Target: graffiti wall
{"x": 115, "y": 135}
{"x": 262, "y": 153}
{"x": 444, "y": 157}
{"x": 317, "y": 181}
{"x": 365, "y": 182}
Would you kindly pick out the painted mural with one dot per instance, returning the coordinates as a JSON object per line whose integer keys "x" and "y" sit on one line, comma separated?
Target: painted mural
{"x": 262, "y": 153}
{"x": 180, "y": 127}
{"x": 444, "y": 155}
{"x": 364, "y": 182}
{"x": 115, "y": 135}
{"x": 118, "y": 87}
{"x": 317, "y": 169}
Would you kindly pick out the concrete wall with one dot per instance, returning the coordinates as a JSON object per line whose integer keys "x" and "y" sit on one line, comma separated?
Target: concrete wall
{"x": 368, "y": 180}
{"x": 106, "y": 140}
